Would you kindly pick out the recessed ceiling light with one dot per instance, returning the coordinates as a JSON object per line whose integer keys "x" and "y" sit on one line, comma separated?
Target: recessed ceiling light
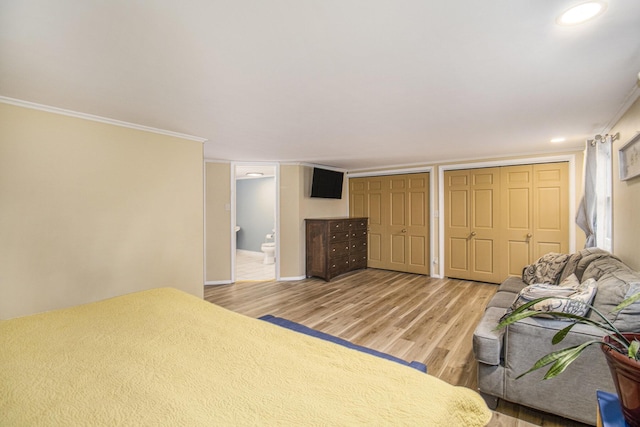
{"x": 558, "y": 139}
{"x": 582, "y": 13}
{"x": 254, "y": 174}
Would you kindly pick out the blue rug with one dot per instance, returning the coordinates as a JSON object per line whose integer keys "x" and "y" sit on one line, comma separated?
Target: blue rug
{"x": 312, "y": 332}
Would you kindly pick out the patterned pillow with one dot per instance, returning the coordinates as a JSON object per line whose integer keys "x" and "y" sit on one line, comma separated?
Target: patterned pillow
{"x": 568, "y": 297}
{"x": 546, "y": 269}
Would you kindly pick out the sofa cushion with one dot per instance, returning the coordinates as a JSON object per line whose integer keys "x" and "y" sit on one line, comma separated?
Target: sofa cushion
{"x": 613, "y": 288}
{"x": 512, "y": 284}
{"x": 487, "y": 341}
{"x": 570, "y": 296}
{"x": 546, "y": 269}
{"x": 502, "y": 300}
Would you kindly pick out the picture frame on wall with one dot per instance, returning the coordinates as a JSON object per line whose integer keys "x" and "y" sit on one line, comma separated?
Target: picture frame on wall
{"x": 629, "y": 158}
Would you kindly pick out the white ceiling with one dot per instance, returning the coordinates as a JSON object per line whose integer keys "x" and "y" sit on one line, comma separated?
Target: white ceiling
{"x": 345, "y": 83}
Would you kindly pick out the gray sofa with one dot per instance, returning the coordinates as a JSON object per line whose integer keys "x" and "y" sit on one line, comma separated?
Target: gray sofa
{"x": 504, "y": 354}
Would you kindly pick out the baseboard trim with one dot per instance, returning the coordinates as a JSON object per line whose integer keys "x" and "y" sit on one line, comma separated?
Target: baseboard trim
{"x": 292, "y": 278}
{"x": 218, "y": 282}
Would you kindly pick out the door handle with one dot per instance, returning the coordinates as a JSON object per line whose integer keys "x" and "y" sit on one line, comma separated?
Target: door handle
{"x": 404, "y": 230}
{"x": 473, "y": 234}
{"x": 529, "y": 236}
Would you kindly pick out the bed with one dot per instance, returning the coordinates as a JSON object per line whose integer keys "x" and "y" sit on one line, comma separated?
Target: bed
{"x": 164, "y": 357}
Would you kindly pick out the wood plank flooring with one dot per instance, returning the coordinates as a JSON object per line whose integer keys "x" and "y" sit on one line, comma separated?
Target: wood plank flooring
{"x": 410, "y": 316}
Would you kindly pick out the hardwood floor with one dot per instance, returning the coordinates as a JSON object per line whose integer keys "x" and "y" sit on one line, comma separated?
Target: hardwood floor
{"x": 410, "y": 316}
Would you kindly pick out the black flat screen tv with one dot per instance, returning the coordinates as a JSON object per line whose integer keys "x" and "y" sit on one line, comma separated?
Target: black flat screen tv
{"x": 326, "y": 184}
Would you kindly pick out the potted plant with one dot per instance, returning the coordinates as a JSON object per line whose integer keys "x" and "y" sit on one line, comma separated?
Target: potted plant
{"x": 622, "y": 352}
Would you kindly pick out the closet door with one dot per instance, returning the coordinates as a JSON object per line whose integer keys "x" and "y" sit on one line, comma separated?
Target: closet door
{"x": 408, "y": 223}
{"x": 486, "y": 253}
{"x": 535, "y": 204}
{"x": 457, "y": 233}
{"x": 472, "y": 224}
{"x": 398, "y": 210}
{"x": 517, "y": 206}
{"x": 551, "y": 209}
{"x": 498, "y": 220}
{"x": 366, "y": 200}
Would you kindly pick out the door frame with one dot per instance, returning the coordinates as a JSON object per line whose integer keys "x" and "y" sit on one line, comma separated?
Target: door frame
{"x": 276, "y": 167}
{"x": 571, "y": 158}
{"x": 432, "y": 210}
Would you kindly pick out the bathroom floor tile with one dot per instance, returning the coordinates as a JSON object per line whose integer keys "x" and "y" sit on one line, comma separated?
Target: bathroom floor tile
{"x": 249, "y": 266}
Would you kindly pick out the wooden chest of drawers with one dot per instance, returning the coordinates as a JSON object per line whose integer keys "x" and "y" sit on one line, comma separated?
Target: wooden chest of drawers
{"x": 335, "y": 246}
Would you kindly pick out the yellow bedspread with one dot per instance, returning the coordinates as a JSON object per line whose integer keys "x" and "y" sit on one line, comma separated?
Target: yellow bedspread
{"x": 163, "y": 357}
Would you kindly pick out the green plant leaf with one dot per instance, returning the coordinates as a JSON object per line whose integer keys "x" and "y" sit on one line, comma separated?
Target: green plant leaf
{"x": 627, "y": 302}
{"x": 560, "y": 359}
{"x": 559, "y": 336}
{"x": 633, "y": 349}
{"x": 522, "y": 313}
{"x": 514, "y": 317}
{"x": 547, "y": 360}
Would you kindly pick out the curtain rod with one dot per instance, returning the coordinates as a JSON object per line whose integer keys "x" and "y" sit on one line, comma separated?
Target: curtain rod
{"x": 601, "y": 138}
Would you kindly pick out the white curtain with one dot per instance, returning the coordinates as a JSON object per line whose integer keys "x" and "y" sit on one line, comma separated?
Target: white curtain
{"x": 594, "y": 212}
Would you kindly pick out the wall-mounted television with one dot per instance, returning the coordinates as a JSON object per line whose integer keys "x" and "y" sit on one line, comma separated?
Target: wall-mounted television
{"x": 326, "y": 184}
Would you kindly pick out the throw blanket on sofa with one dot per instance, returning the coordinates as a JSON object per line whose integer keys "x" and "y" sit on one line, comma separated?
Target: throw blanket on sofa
{"x": 546, "y": 269}
{"x": 163, "y": 357}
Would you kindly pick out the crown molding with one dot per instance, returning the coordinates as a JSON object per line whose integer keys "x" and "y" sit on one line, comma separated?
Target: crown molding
{"x": 91, "y": 117}
{"x": 631, "y": 97}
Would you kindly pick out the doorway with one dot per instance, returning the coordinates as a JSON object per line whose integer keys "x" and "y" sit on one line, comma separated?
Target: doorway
{"x": 255, "y": 255}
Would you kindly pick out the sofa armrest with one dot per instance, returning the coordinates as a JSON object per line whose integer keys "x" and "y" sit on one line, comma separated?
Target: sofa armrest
{"x": 487, "y": 341}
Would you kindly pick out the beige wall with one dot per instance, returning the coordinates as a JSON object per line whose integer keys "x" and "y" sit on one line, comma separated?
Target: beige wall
{"x": 90, "y": 210}
{"x": 295, "y": 206}
{"x": 626, "y": 194}
{"x": 291, "y": 243}
{"x": 218, "y": 222}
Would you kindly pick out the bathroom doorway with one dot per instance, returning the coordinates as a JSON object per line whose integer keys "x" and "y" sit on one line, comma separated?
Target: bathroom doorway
{"x": 256, "y": 245}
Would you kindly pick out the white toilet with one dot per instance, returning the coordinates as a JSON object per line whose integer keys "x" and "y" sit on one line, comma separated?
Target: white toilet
{"x": 269, "y": 249}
